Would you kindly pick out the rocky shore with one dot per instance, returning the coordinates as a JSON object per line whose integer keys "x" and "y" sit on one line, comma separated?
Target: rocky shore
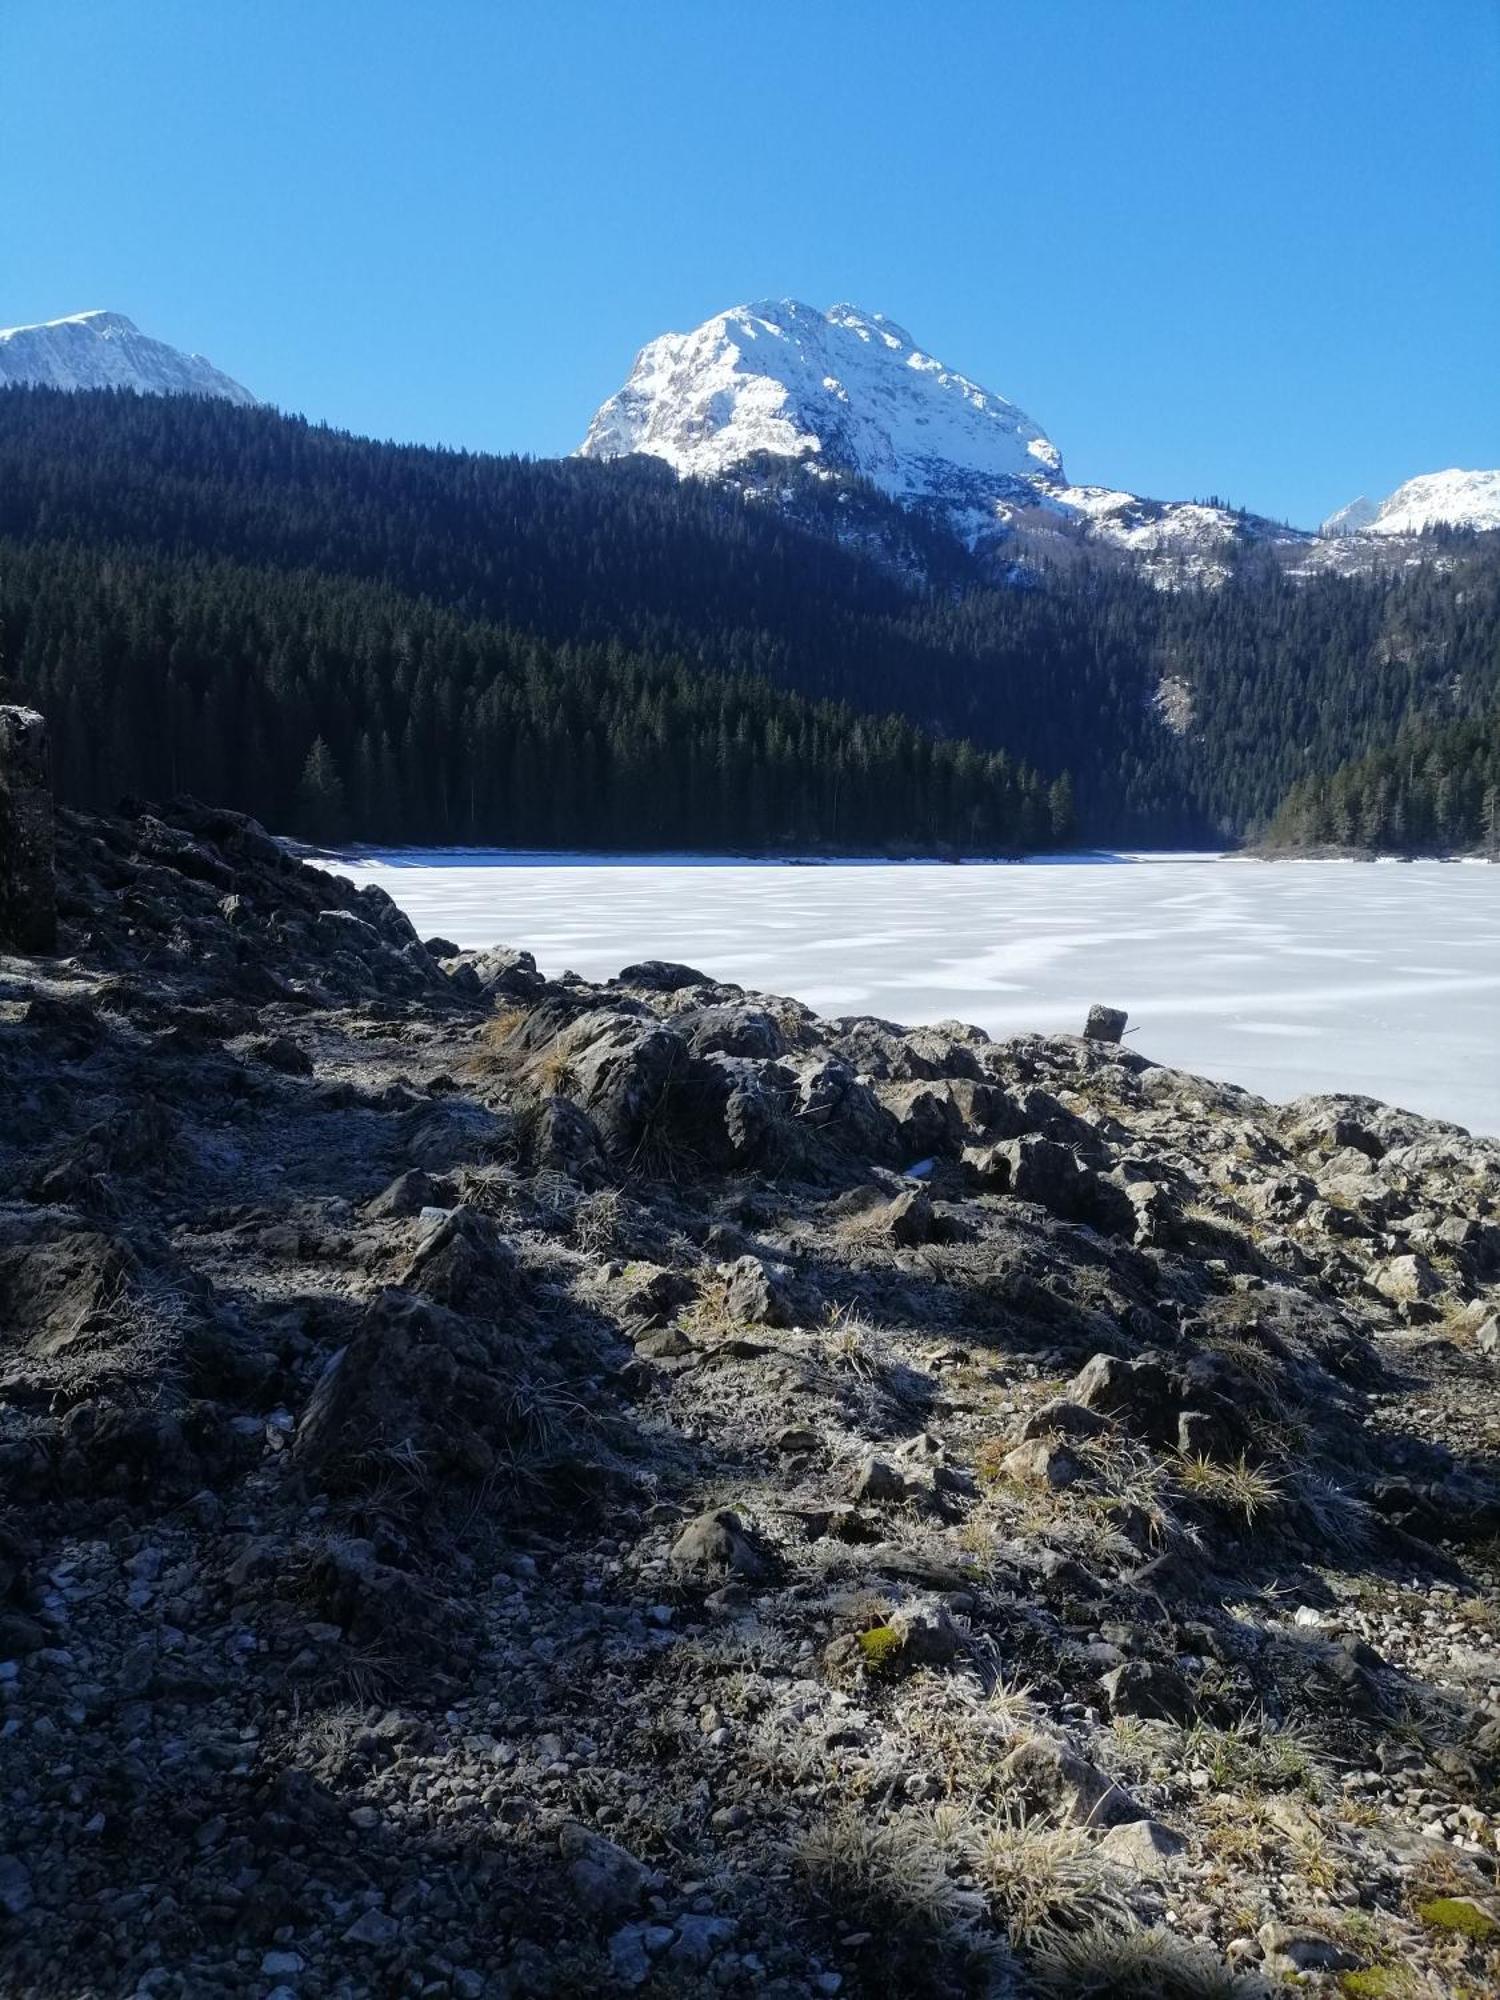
{"x": 520, "y": 1487}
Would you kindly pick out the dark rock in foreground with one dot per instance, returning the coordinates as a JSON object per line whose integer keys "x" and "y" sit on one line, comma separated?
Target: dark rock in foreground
{"x": 519, "y": 1487}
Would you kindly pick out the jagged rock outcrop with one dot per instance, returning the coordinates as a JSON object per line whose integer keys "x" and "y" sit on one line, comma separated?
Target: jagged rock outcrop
{"x": 28, "y": 890}
{"x": 518, "y": 1486}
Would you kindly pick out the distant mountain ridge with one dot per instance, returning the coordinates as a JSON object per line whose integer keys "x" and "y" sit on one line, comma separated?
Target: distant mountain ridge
{"x": 105, "y": 350}
{"x": 780, "y": 398}
{"x": 1451, "y": 499}
{"x": 850, "y": 391}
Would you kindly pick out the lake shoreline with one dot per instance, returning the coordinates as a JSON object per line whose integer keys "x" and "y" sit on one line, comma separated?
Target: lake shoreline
{"x": 1283, "y": 977}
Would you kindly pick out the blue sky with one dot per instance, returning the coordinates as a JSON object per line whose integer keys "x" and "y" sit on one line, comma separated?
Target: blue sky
{"x": 1231, "y": 246}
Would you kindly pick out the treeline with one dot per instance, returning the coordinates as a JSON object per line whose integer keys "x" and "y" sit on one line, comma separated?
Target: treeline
{"x": 1433, "y": 791}
{"x": 334, "y": 707}
{"x": 854, "y": 601}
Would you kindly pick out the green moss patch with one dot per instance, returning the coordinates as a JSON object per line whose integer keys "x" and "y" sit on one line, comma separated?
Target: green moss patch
{"x": 1458, "y": 1915}
{"x": 880, "y": 1648}
{"x": 1375, "y": 1982}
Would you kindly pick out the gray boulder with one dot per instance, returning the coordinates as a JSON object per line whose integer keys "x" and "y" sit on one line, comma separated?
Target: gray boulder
{"x": 759, "y": 1294}
{"x": 502, "y": 970}
{"x": 661, "y": 975}
{"x": 1152, "y": 1691}
{"x": 1105, "y": 1024}
{"x": 1144, "y": 1846}
{"x": 718, "y": 1543}
{"x": 1054, "y": 1778}
{"x": 607, "y": 1881}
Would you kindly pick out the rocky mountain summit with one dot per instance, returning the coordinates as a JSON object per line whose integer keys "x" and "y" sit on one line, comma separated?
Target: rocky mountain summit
{"x": 777, "y": 390}
{"x": 1452, "y": 499}
{"x": 849, "y": 392}
{"x": 846, "y": 388}
{"x": 522, "y": 1487}
{"x": 105, "y": 350}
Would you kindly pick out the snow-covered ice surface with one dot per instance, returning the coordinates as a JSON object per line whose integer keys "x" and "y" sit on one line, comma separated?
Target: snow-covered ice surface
{"x": 1285, "y": 977}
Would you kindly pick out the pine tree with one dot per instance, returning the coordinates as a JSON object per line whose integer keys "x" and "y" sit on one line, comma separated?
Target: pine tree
{"x": 320, "y": 797}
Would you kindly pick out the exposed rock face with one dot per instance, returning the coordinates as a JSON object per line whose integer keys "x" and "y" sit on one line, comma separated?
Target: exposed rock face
{"x": 566, "y": 1434}
{"x": 28, "y": 890}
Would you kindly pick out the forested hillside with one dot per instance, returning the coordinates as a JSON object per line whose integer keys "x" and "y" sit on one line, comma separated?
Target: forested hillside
{"x": 576, "y": 650}
{"x": 332, "y": 707}
{"x": 1433, "y": 791}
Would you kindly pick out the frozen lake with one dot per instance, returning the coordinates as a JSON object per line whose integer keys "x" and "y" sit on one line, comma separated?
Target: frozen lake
{"x": 1282, "y": 976}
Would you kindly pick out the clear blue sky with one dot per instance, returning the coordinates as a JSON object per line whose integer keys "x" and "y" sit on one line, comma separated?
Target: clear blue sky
{"x": 1242, "y": 246}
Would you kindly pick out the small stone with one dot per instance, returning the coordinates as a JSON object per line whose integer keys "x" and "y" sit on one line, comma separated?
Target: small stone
{"x": 606, "y": 1880}
{"x": 373, "y": 1928}
{"x": 1105, "y": 1024}
{"x": 16, "y": 1893}
{"x": 1043, "y": 1463}
{"x": 699, "y": 1938}
{"x": 719, "y": 1541}
{"x": 759, "y": 1295}
{"x": 1142, "y": 1845}
{"x": 876, "y": 1479}
{"x": 928, "y": 1635}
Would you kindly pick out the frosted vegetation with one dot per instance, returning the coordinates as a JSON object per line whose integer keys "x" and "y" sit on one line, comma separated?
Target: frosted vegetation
{"x": 1285, "y": 977}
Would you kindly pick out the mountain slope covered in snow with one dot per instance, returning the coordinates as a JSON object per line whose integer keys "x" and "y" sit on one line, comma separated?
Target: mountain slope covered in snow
{"x": 1451, "y": 499}
{"x": 848, "y": 391}
{"x": 105, "y": 350}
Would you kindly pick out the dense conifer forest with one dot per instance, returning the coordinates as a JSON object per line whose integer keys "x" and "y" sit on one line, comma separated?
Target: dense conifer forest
{"x": 404, "y": 643}
{"x": 1433, "y": 791}
{"x": 336, "y": 707}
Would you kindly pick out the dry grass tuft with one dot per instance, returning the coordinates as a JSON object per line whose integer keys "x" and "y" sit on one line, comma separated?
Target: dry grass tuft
{"x": 880, "y": 1870}
{"x": 1106, "y": 1962}
{"x": 494, "y": 1054}
{"x": 1252, "y": 1755}
{"x": 597, "y": 1220}
{"x": 1040, "y": 1879}
{"x": 1234, "y": 1487}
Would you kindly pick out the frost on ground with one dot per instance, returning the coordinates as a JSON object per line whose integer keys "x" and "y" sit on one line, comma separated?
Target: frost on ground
{"x": 1283, "y": 977}
{"x": 520, "y": 1489}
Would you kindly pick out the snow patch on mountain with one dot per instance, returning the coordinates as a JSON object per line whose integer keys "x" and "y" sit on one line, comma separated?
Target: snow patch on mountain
{"x": 105, "y": 350}
{"x": 1351, "y": 520}
{"x": 1452, "y": 499}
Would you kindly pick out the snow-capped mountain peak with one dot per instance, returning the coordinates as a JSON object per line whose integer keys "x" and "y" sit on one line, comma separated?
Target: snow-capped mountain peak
{"x": 1353, "y": 519}
{"x": 846, "y": 389}
{"x": 105, "y": 350}
{"x": 1453, "y": 499}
